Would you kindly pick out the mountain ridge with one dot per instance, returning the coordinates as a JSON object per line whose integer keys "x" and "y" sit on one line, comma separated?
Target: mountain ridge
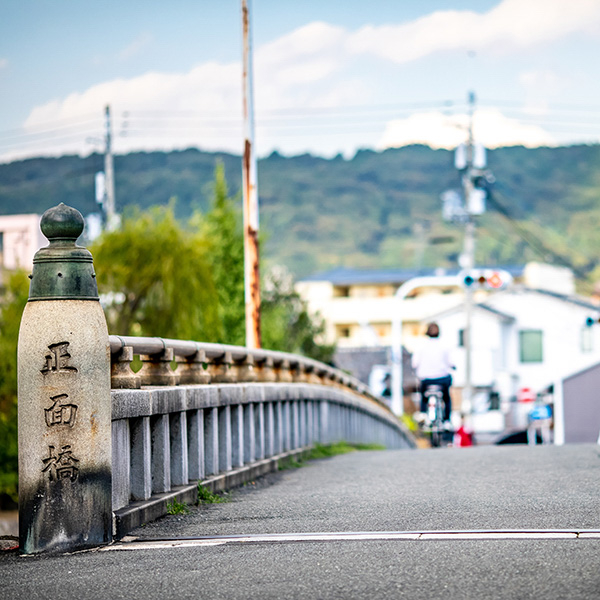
{"x": 379, "y": 209}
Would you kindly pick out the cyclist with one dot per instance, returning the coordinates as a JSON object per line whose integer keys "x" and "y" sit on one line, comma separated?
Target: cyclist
{"x": 433, "y": 364}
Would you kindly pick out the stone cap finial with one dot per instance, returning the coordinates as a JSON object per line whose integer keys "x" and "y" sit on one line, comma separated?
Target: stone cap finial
{"x": 63, "y": 270}
{"x": 62, "y": 222}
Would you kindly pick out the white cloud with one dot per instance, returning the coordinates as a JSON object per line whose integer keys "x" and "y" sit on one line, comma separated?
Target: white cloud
{"x": 490, "y": 127}
{"x": 312, "y": 67}
{"x": 3, "y": 63}
{"x": 512, "y": 25}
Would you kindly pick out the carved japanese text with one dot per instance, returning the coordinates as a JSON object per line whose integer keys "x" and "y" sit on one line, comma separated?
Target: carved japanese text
{"x": 61, "y": 412}
{"x": 57, "y": 359}
{"x": 61, "y": 464}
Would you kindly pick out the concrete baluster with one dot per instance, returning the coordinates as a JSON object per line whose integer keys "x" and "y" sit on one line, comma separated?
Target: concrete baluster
{"x": 156, "y": 369}
{"x": 225, "y": 447}
{"x": 249, "y": 434}
{"x": 265, "y": 371}
{"x": 161, "y": 454}
{"x": 237, "y": 435}
{"x": 121, "y": 475}
{"x": 179, "y": 447}
{"x": 195, "y": 423}
{"x": 259, "y": 431}
{"x": 121, "y": 375}
{"x": 192, "y": 369}
{"x": 245, "y": 371}
{"x": 141, "y": 472}
{"x": 269, "y": 429}
{"x": 282, "y": 371}
{"x": 221, "y": 369}
{"x": 211, "y": 441}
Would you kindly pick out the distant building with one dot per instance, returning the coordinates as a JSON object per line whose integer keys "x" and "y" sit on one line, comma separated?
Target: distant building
{"x": 358, "y": 305}
{"x": 20, "y": 239}
{"x": 522, "y": 339}
{"x": 524, "y": 336}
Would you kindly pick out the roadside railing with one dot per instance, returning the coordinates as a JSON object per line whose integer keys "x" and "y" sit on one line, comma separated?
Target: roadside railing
{"x": 222, "y": 415}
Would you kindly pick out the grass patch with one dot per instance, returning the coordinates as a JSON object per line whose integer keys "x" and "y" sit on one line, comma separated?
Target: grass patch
{"x": 291, "y": 463}
{"x": 326, "y": 451}
{"x": 319, "y": 451}
{"x": 205, "y": 496}
{"x": 177, "y": 508}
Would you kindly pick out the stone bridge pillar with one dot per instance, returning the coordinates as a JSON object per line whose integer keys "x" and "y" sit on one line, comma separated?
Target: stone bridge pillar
{"x": 64, "y": 398}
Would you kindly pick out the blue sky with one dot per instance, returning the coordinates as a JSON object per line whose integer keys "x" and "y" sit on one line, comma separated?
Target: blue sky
{"x": 329, "y": 76}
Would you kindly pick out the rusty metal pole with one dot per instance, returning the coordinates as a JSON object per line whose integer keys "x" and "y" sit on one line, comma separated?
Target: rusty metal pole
{"x": 250, "y": 194}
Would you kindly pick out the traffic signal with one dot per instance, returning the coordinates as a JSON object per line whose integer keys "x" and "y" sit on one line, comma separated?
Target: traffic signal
{"x": 490, "y": 279}
{"x": 590, "y": 321}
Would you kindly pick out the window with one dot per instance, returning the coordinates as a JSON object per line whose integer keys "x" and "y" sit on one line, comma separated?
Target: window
{"x": 461, "y": 338}
{"x": 343, "y": 331}
{"x": 341, "y": 291}
{"x": 530, "y": 346}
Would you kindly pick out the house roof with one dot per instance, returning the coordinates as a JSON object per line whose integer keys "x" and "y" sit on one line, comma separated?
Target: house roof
{"x": 478, "y": 306}
{"x": 509, "y": 318}
{"x": 345, "y": 276}
{"x": 566, "y": 298}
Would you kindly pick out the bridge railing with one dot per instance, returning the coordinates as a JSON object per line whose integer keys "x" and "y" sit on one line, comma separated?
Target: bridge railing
{"x": 221, "y": 415}
{"x": 103, "y": 448}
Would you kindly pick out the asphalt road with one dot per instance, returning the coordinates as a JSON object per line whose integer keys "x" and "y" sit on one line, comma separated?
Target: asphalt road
{"x": 485, "y": 489}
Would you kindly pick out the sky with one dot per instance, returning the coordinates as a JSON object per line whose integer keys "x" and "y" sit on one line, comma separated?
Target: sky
{"x": 330, "y": 76}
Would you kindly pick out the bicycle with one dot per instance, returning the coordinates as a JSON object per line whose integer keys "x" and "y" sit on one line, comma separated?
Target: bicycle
{"x": 435, "y": 414}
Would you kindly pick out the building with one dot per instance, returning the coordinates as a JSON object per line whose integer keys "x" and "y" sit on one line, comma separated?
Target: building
{"x": 523, "y": 341}
{"x": 523, "y": 337}
{"x": 20, "y": 239}
{"x": 358, "y": 306}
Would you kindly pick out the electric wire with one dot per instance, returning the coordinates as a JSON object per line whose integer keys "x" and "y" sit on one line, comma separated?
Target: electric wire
{"x": 538, "y": 245}
{"x": 288, "y": 122}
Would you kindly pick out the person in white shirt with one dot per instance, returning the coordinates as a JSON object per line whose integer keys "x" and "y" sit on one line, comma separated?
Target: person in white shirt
{"x": 433, "y": 364}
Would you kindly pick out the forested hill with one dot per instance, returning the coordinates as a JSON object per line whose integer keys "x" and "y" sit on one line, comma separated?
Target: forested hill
{"x": 379, "y": 209}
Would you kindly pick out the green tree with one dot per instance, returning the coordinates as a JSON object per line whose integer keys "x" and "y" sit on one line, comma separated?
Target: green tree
{"x": 156, "y": 275}
{"x": 221, "y": 227}
{"x": 285, "y": 322}
{"x": 11, "y": 309}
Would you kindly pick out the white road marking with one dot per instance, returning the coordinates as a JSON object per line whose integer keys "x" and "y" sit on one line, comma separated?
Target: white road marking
{"x": 132, "y": 543}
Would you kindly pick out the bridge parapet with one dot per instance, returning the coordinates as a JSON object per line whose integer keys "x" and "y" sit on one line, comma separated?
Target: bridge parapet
{"x": 103, "y": 448}
{"x": 199, "y": 362}
{"x": 222, "y": 416}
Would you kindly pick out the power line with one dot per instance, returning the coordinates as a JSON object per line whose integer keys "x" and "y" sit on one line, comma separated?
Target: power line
{"x": 536, "y": 243}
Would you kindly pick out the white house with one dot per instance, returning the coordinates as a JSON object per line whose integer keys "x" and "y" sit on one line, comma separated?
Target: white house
{"x": 358, "y": 306}
{"x": 523, "y": 338}
{"x": 526, "y": 336}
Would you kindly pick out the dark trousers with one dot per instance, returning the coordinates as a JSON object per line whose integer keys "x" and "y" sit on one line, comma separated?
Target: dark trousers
{"x": 444, "y": 384}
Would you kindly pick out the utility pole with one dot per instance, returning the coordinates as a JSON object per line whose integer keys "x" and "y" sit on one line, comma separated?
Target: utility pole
{"x": 471, "y": 162}
{"x": 468, "y": 260}
{"x": 109, "y": 176}
{"x": 250, "y": 194}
